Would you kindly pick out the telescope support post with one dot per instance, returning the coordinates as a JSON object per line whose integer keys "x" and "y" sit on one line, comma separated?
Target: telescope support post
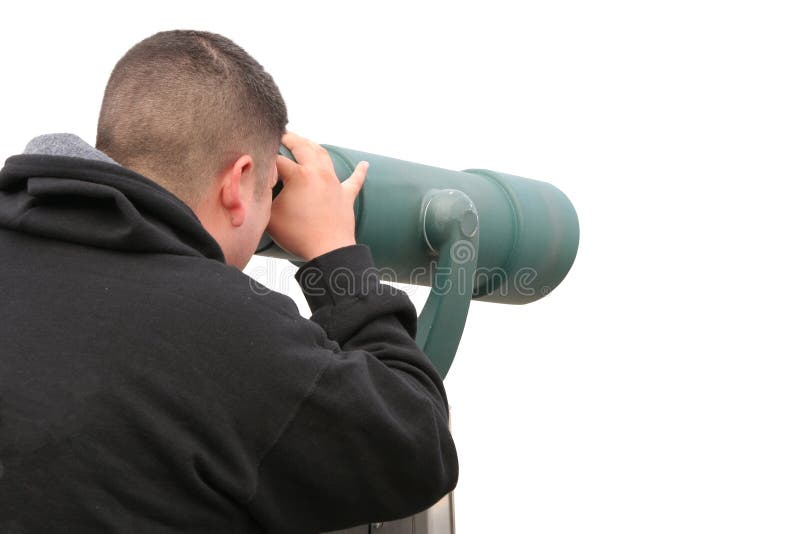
{"x": 449, "y": 222}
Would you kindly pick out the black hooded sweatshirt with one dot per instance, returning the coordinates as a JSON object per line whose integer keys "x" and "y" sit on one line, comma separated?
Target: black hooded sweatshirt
{"x": 146, "y": 386}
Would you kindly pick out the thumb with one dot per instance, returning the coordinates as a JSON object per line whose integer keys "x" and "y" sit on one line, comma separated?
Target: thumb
{"x": 356, "y": 180}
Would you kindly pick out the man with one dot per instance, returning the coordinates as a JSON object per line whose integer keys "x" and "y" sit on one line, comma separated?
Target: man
{"x": 144, "y": 387}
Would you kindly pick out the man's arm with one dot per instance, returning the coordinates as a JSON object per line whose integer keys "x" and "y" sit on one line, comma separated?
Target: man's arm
{"x": 370, "y": 441}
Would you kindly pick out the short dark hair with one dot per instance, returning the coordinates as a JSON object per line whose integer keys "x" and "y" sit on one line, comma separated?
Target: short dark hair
{"x": 180, "y": 105}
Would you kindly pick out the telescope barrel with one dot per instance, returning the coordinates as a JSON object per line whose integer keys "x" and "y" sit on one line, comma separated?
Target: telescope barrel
{"x": 528, "y": 229}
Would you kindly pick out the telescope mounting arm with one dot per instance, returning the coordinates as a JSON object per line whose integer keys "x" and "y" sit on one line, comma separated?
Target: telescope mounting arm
{"x": 449, "y": 224}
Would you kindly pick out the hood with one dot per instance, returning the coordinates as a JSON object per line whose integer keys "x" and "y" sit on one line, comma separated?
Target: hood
{"x": 64, "y": 189}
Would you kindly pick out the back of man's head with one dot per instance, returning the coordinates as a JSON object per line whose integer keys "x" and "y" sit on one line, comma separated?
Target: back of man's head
{"x": 181, "y": 105}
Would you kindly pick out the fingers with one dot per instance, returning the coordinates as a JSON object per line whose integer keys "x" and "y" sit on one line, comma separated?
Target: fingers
{"x": 311, "y": 156}
{"x": 356, "y": 181}
{"x": 287, "y": 169}
{"x": 306, "y": 152}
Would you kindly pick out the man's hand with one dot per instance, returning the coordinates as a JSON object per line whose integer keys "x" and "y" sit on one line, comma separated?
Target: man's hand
{"x": 314, "y": 212}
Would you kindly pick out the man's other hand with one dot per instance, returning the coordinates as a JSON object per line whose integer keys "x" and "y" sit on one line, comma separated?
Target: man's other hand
{"x": 314, "y": 212}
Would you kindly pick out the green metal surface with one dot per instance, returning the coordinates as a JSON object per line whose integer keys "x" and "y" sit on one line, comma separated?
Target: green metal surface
{"x": 422, "y": 225}
{"x": 449, "y": 220}
{"x": 529, "y": 228}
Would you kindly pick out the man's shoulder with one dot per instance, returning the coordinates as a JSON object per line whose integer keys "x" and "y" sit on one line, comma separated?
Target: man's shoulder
{"x": 218, "y": 287}
{"x": 194, "y": 295}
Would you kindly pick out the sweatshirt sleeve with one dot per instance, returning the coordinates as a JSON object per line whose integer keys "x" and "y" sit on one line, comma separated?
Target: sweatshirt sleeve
{"x": 370, "y": 441}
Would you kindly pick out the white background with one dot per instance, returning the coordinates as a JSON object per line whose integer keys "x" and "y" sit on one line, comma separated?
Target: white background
{"x": 658, "y": 388}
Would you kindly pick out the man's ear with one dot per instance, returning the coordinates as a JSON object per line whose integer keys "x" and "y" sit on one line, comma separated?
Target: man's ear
{"x": 231, "y": 193}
